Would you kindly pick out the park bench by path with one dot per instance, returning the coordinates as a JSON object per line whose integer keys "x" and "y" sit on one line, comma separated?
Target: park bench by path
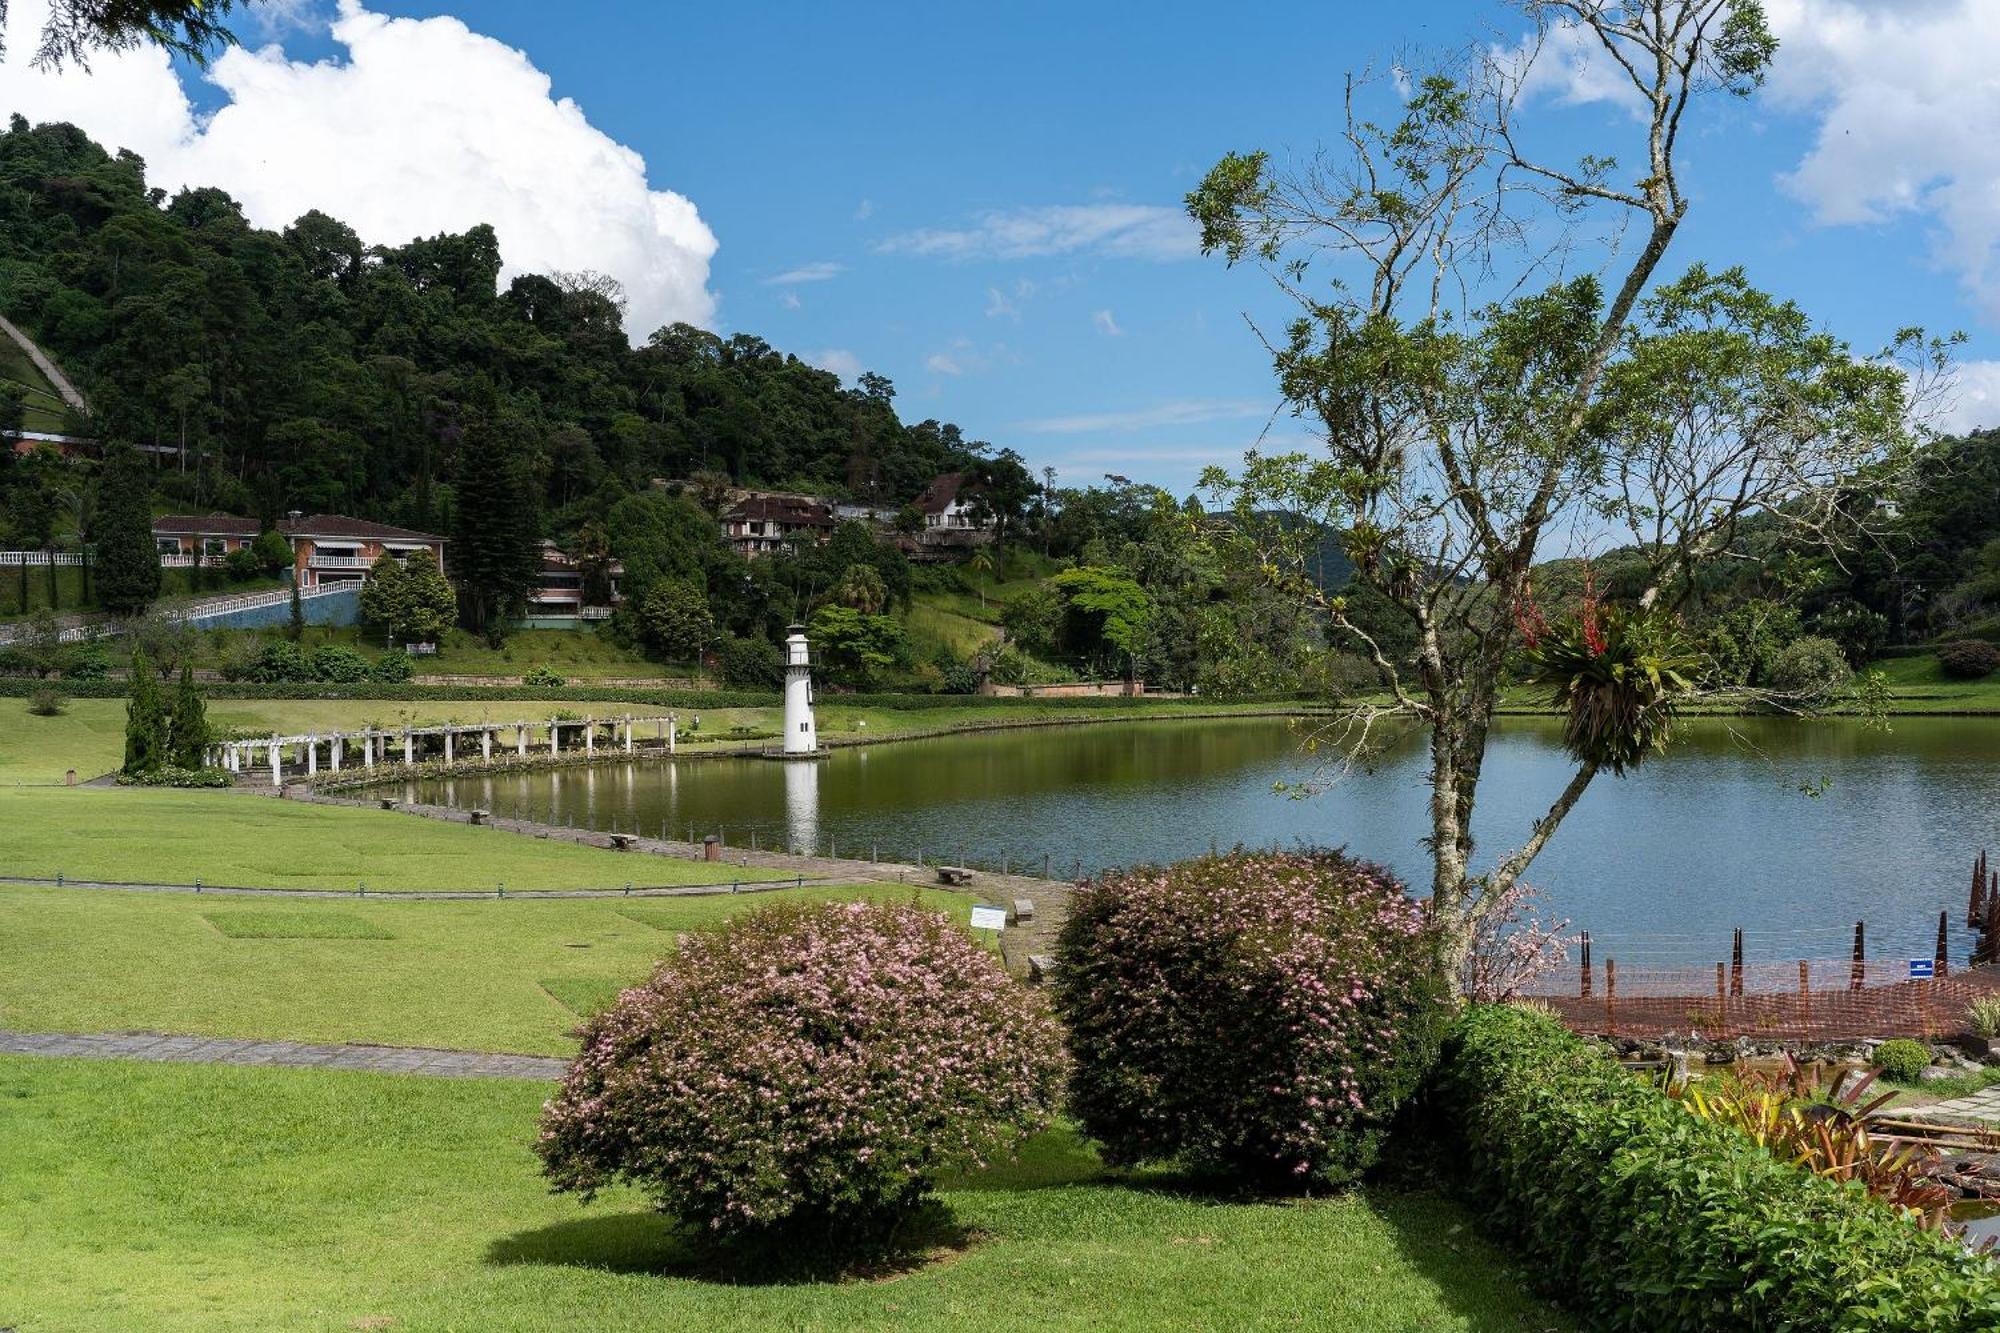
{"x": 388, "y": 803}
{"x": 479, "y": 816}
{"x": 954, "y": 875}
{"x": 624, "y": 841}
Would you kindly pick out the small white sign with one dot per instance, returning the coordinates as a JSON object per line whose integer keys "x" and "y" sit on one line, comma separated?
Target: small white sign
{"x": 989, "y": 918}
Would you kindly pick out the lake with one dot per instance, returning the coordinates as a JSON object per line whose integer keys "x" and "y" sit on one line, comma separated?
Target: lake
{"x": 1659, "y": 866}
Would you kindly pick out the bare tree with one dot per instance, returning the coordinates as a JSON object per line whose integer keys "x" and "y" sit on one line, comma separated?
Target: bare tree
{"x": 1498, "y": 376}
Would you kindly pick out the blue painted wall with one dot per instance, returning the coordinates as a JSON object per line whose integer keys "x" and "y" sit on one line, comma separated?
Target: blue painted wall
{"x": 334, "y": 608}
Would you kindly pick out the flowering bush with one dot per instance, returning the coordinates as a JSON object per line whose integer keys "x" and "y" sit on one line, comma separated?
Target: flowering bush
{"x": 1259, "y": 1014}
{"x": 1512, "y": 946}
{"x": 813, "y": 1066}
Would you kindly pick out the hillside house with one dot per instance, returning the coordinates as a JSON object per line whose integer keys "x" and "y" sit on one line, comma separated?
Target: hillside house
{"x": 559, "y": 599}
{"x": 326, "y": 548}
{"x": 764, "y": 524}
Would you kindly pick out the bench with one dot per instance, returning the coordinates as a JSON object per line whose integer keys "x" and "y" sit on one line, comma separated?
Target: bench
{"x": 388, "y": 803}
{"x": 623, "y": 841}
{"x": 954, "y": 875}
{"x": 1024, "y": 909}
{"x": 480, "y": 816}
{"x": 1040, "y": 966}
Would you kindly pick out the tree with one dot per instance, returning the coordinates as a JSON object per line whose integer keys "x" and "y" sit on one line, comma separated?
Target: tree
{"x": 1471, "y": 418}
{"x": 1105, "y": 614}
{"x": 385, "y": 595}
{"x": 43, "y": 648}
{"x": 273, "y": 552}
{"x": 855, "y": 648}
{"x": 295, "y": 623}
{"x": 861, "y": 587}
{"x": 128, "y": 562}
{"x": 186, "y": 28}
{"x": 146, "y": 733}
{"x": 430, "y": 605}
{"x": 981, "y": 564}
{"x": 675, "y": 619}
{"x": 187, "y": 724}
{"x": 495, "y": 532}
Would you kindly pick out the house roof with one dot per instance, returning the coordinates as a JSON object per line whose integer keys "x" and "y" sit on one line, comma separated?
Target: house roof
{"x": 938, "y": 496}
{"x": 357, "y": 529}
{"x": 205, "y": 525}
{"x": 784, "y": 509}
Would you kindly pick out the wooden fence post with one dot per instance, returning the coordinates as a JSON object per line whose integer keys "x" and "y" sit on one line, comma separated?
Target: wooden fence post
{"x": 1736, "y": 965}
{"x": 1858, "y": 972}
{"x": 1805, "y": 998}
{"x": 1610, "y": 997}
{"x": 1586, "y": 964}
{"x": 1941, "y": 962}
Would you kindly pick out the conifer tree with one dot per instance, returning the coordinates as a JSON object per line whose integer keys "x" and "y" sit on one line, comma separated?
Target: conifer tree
{"x": 145, "y": 721}
{"x": 188, "y": 724}
{"x": 128, "y": 563}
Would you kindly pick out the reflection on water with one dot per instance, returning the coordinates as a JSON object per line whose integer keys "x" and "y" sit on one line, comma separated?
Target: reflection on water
{"x": 1659, "y": 866}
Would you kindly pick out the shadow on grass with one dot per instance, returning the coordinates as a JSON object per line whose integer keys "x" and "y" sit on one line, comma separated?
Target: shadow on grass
{"x": 648, "y": 1243}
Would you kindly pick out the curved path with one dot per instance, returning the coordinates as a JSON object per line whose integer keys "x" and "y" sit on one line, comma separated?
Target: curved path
{"x": 280, "y": 1054}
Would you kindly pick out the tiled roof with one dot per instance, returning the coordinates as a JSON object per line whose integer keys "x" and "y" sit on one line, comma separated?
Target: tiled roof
{"x": 937, "y": 496}
{"x": 358, "y": 529}
{"x": 205, "y": 525}
{"x": 784, "y": 509}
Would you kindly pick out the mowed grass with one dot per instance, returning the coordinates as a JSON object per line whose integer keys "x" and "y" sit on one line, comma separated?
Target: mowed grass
{"x": 479, "y": 975}
{"x": 146, "y": 1197}
{"x": 147, "y": 835}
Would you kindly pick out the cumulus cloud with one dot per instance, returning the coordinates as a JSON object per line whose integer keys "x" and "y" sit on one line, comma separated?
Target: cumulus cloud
{"x": 1183, "y": 412}
{"x": 1106, "y": 324}
{"x": 425, "y": 126}
{"x": 1124, "y": 231}
{"x": 838, "y": 360}
{"x": 1974, "y": 400}
{"x": 820, "y": 271}
{"x": 1906, "y": 102}
{"x": 943, "y": 363}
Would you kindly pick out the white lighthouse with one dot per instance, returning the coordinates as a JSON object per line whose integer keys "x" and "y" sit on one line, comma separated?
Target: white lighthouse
{"x": 801, "y": 733}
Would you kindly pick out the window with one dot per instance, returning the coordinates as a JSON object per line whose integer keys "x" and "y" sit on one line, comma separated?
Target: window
{"x": 167, "y": 545}
{"x": 215, "y": 546}
{"x": 805, "y": 726}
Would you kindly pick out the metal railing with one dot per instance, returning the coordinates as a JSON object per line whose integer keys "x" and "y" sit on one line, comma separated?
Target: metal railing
{"x": 341, "y": 561}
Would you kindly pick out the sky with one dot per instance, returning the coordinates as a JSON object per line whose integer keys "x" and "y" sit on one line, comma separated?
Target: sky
{"x": 984, "y": 202}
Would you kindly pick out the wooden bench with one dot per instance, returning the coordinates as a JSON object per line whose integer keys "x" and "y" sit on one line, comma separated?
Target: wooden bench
{"x": 954, "y": 875}
{"x": 388, "y": 803}
{"x": 480, "y": 816}
{"x": 623, "y": 841}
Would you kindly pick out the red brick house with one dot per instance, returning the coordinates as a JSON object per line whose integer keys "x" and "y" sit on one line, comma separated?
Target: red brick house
{"x": 326, "y": 548}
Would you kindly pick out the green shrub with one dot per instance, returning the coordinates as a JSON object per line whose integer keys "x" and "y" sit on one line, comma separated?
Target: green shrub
{"x": 543, "y": 674}
{"x": 46, "y": 702}
{"x": 392, "y": 668}
{"x": 1261, "y": 1015}
{"x": 1809, "y": 671}
{"x": 279, "y": 662}
{"x": 1644, "y": 1217}
{"x": 1983, "y": 1016}
{"x": 242, "y": 564}
{"x": 1968, "y": 659}
{"x": 751, "y": 664}
{"x": 1902, "y": 1059}
{"x": 169, "y": 776}
{"x": 337, "y": 664}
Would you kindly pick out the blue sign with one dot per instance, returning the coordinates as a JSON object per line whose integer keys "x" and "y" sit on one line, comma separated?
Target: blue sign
{"x": 1922, "y": 969}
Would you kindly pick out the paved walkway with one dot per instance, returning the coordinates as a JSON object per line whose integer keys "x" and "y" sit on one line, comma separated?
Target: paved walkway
{"x": 1982, "y": 1106}
{"x": 285, "y": 1054}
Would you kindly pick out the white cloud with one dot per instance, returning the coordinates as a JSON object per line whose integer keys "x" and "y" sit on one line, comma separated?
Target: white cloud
{"x": 943, "y": 363}
{"x": 789, "y": 300}
{"x": 1974, "y": 403}
{"x": 1180, "y": 413}
{"x": 821, "y": 271}
{"x": 1125, "y": 231}
{"x": 425, "y": 126}
{"x": 1106, "y": 324}
{"x": 864, "y": 210}
{"x": 838, "y": 360}
{"x": 1907, "y": 104}
{"x": 1570, "y": 67}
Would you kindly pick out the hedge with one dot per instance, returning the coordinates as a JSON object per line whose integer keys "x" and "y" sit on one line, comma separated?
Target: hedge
{"x": 1643, "y": 1217}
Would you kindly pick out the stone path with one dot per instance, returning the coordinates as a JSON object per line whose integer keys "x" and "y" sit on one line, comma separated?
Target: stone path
{"x": 1982, "y": 1106}
{"x": 286, "y": 1054}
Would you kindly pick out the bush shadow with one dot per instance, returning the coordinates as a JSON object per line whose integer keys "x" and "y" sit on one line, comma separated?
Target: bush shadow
{"x": 651, "y": 1244}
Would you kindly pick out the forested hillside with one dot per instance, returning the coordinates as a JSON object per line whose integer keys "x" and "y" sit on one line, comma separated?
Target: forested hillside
{"x": 307, "y": 369}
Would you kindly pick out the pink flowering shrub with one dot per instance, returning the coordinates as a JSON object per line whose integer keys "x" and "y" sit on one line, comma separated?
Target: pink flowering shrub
{"x": 816, "y": 1066}
{"x": 1511, "y": 947}
{"x": 1259, "y": 1014}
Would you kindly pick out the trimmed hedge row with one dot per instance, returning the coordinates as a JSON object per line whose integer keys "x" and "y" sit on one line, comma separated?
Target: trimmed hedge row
{"x": 1647, "y": 1218}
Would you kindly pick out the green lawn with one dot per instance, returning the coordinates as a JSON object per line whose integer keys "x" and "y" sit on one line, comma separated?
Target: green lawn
{"x": 151, "y": 835}
{"x": 145, "y": 1197}
{"x": 499, "y": 976}
{"x": 46, "y": 411}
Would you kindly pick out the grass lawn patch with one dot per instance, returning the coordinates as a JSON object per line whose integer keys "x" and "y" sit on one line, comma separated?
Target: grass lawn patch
{"x": 584, "y": 996}
{"x": 159, "y": 836}
{"x": 255, "y": 923}
{"x": 483, "y": 975}
{"x": 143, "y": 1197}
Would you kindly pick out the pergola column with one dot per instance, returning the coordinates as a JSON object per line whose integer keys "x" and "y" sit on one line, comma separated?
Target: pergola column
{"x": 447, "y": 744}
{"x": 521, "y": 739}
{"x": 339, "y": 748}
{"x": 409, "y": 750}
{"x": 312, "y": 755}
{"x": 277, "y": 764}
{"x": 628, "y": 734}
{"x": 485, "y": 745}
{"x": 368, "y": 749}
{"x": 555, "y": 737}
{"x": 673, "y": 728}
{"x": 590, "y": 736}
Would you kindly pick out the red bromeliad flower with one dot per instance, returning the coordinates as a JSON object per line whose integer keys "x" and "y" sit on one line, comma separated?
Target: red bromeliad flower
{"x": 1528, "y": 616}
{"x": 1593, "y": 630}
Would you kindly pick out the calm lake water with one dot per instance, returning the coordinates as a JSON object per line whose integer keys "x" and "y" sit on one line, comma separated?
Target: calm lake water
{"x": 1658, "y": 866}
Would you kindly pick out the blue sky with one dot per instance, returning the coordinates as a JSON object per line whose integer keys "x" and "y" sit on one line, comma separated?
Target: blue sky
{"x": 979, "y": 202}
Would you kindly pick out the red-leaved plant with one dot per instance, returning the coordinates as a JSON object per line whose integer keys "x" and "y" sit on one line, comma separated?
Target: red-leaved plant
{"x": 818, "y": 1067}
{"x": 1259, "y": 1015}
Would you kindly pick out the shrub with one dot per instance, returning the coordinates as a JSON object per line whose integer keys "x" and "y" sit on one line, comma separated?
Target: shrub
{"x": 543, "y": 674}
{"x": 279, "y": 662}
{"x": 46, "y": 702}
{"x": 169, "y": 776}
{"x": 1983, "y": 1016}
{"x": 1968, "y": 659}
{"x": 392, "y": 668}
{"x": 1646, "y": 1217}
{"x": 1258, "y": 1014}
{"x": 338, "y": 665}
{"x": 242, "y": 565}
{"x": 1809, "y": 671}
{"x": 806, "y": 1067}
{"x": 1902, "y": 1059}
{"x": 89, "y": 662}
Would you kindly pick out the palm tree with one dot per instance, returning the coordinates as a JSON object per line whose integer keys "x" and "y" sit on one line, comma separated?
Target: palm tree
{"x": 982, "y": 564}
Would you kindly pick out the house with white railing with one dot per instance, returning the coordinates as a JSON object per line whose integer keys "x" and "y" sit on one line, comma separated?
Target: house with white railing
{"x": 327, "y": 549}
